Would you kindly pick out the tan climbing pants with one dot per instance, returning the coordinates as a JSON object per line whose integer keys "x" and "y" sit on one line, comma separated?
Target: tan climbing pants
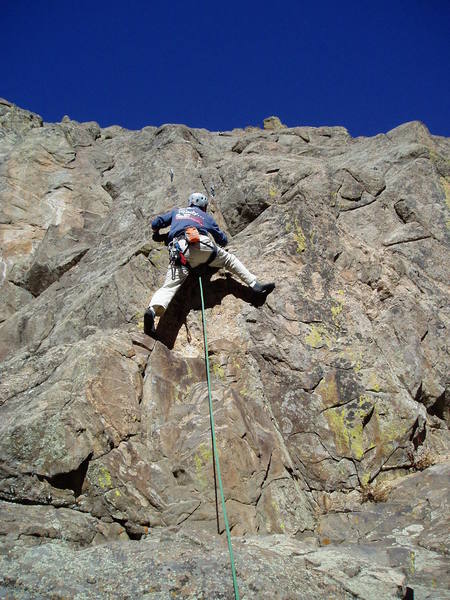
{"x": 197, "y": 254}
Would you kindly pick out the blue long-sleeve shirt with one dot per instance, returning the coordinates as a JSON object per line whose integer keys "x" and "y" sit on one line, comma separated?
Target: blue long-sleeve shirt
{"x": 191, "y": 216}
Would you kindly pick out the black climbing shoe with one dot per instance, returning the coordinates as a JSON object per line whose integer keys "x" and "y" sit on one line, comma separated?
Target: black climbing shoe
{"x": 149, "y": 322}
{"x": 263, "y": 288}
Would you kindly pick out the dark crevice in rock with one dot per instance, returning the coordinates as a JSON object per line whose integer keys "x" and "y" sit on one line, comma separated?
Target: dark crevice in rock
{"x": 267, "y": 471}
{"x": 181, "y": 476}
{"x": 419, "y": 394}
{"x": 292, "y": 473}
{"x": 330, "y": 456}
{"x": 145, "y": 250}
{"x": 404, "y": 212}
{"x": 113, "y": 446}
{"x": 416, "y": 239}
{"x": 292, "y": 187}
{"x": 41, "y": 276}
{"x": 132, "y": 530}
{"x": 367, "y": 418}
{"x": 190, "y": 514}
{"x": 144, "y": 345}
{"x": 409, "y": 594}
{"x": 424, "y": 335}
{"x": 338, "y": 405}
{"x": 384, "y": 469}
{"x": 310, "y": 390}
{"x": 352, "y": 208}
{"x": 73, "y": 480}
{"x": 24, "y": 501}
{"x": 418, "y": 434}
{"x": 369, "y": 450}
{"x": 439, "y": 408}
{"x": 111, "y": 190}
{"x": 21, "y": 284}
{"x": 261, "y": 487}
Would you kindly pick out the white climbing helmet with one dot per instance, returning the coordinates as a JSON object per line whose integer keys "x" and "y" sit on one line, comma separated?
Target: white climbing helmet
{"x": 198, "y": 199}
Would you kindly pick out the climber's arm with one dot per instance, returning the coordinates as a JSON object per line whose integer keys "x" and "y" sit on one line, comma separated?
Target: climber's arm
{"x": 162, "y": 221}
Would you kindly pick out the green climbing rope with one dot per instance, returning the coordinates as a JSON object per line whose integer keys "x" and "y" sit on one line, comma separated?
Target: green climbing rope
{"x": 215, "y": 454}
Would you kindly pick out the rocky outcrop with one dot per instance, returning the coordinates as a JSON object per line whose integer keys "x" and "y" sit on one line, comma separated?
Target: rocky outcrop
{"x": 331, "y": 398}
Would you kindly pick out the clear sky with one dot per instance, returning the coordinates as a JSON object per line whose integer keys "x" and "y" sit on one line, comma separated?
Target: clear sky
{"x": 368, "y": 66}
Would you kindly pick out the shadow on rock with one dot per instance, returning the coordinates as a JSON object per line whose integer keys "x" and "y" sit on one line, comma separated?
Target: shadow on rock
{"x": 188, "y": 298}
{"x": 161, "y": 237}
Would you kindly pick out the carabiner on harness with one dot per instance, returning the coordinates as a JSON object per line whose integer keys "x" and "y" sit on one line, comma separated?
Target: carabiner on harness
{"x": 177, "y": 259}
{"x": 176, "y": 256}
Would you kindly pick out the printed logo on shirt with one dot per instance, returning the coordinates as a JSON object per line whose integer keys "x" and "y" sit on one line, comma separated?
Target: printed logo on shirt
{"x": 188, "y": 213}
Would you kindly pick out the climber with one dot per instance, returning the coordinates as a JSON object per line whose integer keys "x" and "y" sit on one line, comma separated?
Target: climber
{"x": 190, "y": 246}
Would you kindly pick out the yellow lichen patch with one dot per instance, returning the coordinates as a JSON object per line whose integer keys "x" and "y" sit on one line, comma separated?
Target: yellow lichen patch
{"x": 272, "y": 192}
{"x": 337, "y": 308}
{"x": 318, "y": 336}
{"x": 104, "y": 478}
{"x": 218, "y": 371}
{"x": 198, "y": 462}
{"x": 202, "y": 457}
{"x": 412, "y": 562}
{"x": 346, "y": 423}
{"x": 299, "y": 237}
{"x": 446, "y": 185}
{"x": 355, "y": 357}
{"x": 314, "y": 337}
{"x": 205, "y": 453}
{"x": 364, "y": 479}
{"x": 373, "y": 384}
{"x": 244, "y": 392}
{"x": 278, "y": 522}
{"x": 328, "y": 391}
{"x": 235, "y": 363}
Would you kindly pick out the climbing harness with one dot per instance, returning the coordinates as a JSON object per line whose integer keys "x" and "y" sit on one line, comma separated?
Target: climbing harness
{"x": 214, "y": 450}
{"x": 177, "y": 256}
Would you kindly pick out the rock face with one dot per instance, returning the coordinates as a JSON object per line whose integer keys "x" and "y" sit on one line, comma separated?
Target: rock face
{"x": 331, "y": 398}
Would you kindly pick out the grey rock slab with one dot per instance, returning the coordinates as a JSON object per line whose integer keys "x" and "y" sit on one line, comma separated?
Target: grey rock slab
{"x": 196, "y": 565}
{"x": 34, "y": 525}
{"x": 13, "y": 299}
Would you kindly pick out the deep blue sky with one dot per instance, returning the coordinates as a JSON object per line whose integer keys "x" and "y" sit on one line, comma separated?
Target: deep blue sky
{"x": 366, "y": 65}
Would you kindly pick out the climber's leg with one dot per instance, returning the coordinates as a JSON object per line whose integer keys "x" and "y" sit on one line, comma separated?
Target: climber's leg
{"x": 162, "y": 297}
{"x": 231, "y": 263}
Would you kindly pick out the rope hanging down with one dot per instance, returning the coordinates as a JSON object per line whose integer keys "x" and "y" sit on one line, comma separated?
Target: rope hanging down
{"x": 215, "y": 454}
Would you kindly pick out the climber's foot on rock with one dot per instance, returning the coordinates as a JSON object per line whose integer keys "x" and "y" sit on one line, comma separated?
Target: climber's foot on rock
{"x": 262, "y": 289}
{"x": 149, "y": 322}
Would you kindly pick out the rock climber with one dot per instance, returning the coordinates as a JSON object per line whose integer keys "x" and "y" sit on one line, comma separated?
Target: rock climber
{"x": 194, "y": 239}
